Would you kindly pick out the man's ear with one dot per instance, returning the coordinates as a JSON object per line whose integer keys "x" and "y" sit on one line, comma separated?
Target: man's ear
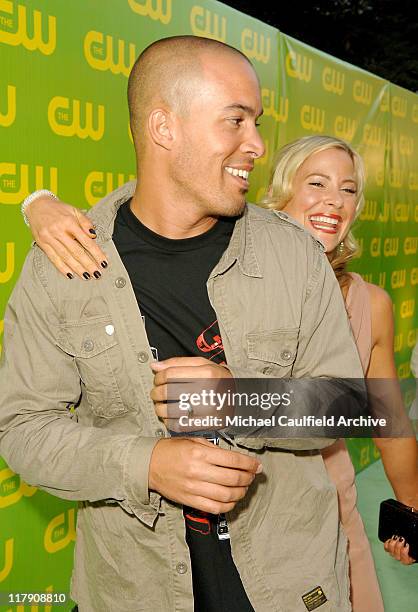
{"x": 161, "y": 127}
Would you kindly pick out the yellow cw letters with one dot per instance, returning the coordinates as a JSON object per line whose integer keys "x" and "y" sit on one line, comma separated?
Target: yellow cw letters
{"x": 7, "y": 273}
{"x": 256, "y": 46}
{"x": 279, "y": 112}
{"x": 14, "y": 29}
{"x": 312, "y": 118}
{"x": 99, "y": 51}
{"x": 398, "y": 343}
{"x": 8, "y": 118}
{"x": 65, "y": 118}
{"x": 8, "y": 559}
{"x": 333, "y": 80}
{"x": 414, "y": 277}
{"x": 410, "y": 245}
{"x": 407, "y": 309}
{"x": 375, "y": 247}
{"x": 345, "y": 128}
{"x": 398, "y": 279}
{"x": 58, "y": 534}
{"x": 98, "y": 184}
{"x": 413, "y": 181}
{"x": 372, "y": 135}
{"x": 369, "y": 211}
{"x": 362, "y": 92}
{"x": 391, "y": 247}
{"x": 12, "y": 488}
{"x": 382, "y": 281}
{"x": 412, "y": 337}
{"x": 404, "y": 370}
{"x": 208, "y": 24}
{"x": 406, "y": 145}
{"x": 153, "y": 9}
{"x": 414, "y": 115}
{"x": 15, "y": 184}
{"x": 299, "y": 66}
{"x": 401, "y": 213}
{"x": 399, "y": 106}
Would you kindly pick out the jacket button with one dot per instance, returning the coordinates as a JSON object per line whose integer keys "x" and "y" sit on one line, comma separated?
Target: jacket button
{"x": 159, "y": 433}
{"x": 88, "y": 345}
{"x": 285, "y": 355}
{"x": 181, "y": 568}
{"x": 142, "y": 357}
{"x": 120, "y": 282}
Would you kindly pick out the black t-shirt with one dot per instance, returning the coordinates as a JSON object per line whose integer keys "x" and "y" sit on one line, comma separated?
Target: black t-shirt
{"x": 169, "y": 280}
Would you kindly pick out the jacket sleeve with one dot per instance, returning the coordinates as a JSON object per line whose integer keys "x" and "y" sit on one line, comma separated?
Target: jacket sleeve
{"x": 39, "y": 439}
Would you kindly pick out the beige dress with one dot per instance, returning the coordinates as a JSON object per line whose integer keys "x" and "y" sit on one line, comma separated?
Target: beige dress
{"x": 365, "y": 590}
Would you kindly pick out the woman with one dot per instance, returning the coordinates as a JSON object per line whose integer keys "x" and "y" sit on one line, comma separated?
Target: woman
{"x": 319, "y": 181}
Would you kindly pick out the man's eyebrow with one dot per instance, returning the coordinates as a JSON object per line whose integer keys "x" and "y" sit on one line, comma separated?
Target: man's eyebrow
{"x": 351, "y": 180}
{"x": 243, "y": 107}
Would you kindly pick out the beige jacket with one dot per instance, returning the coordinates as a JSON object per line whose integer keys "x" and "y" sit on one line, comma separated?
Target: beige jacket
{"x": 280, "y": 313}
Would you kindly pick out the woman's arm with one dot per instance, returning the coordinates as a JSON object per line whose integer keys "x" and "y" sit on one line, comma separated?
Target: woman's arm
{"x": 65, "y": 235}
{"x": 399, "y": 455}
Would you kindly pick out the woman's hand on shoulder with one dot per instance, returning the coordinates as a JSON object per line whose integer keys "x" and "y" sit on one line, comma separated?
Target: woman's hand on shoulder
{"x": 399, "y": 550}
{"x": 66, "y": 236}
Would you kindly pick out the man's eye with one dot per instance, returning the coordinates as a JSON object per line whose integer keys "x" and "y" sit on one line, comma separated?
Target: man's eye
{"x": 236, "y": 120}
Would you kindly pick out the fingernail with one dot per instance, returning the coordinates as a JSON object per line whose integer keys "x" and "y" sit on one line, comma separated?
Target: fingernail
{"x": 104, "y": 264}
{"x": 401, "y": 539}
{"x": 70, "y": 276}
{"x": 96, "y": 274}
{"x": 395, "y": 537}
{"x": 92, "y": 231}
{"x": 86, "y": 275}
{"x": 259, "y": 469}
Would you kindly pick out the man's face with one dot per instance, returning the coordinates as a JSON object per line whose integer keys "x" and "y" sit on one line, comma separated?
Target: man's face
{"x": 217, "y": 141}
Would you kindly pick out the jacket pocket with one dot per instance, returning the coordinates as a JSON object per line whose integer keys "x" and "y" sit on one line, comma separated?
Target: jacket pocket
{"x": 100, "y": 363}
{"x": 273, "y": 351}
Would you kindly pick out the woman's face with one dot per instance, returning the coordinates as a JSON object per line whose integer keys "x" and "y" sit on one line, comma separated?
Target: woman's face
{"x": 324, "y": 196}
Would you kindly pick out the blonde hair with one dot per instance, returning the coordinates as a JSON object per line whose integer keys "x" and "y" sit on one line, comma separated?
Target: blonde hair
{"x": 287, "y": 162}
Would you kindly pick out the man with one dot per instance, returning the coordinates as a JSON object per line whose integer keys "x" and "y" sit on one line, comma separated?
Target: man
{"x": 271, "y": 306}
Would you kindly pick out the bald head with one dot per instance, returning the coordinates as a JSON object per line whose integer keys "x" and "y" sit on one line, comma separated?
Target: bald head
{"x": 168, "y": 73}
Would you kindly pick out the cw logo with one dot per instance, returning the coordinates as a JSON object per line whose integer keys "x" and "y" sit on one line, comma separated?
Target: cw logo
{"x": 414, "y": 277}
{"x": 7, "y": 273}
{"x": 395, "y": 177}
{"x": 384, "y": 214}
{"x": 7, "y": 118}
{"x": 333, "y": 80}
{"x": 99, "y": 52}
{"x": 401, "y": 213}
{"x": 362, "y": 92}
{"x": 207, "y": 23}
{"x": 15, "y": 185}
{"x": 14, "y": 34}
{"x": 256, "y": 46}
{"x": 12, "y": 488}
{"x": 379, "y": 177}
{"x": 404, "y": 370}
{"x": 299, "y": 66}
{"x": 345, "y": 128}
{"x": 413, "y": 181}
{"x": 8, "y": 559}
{"x": 406, "y": 145}
{"x": 98, "y": 184}
{"x": 375, "y": 247}
{"x": 412, "y": 338}
{"x": 410, "y": 245}
{"x": 153, "y": 9}
{"x": 279, "y": 112}
{"x": 372, "y": 135}
{"x": 58, "y": 534}
{"x": 369, "y": 211}
{"x": 414, "y": 115}
{"x": 398, "y": 343}
{"x": 399, "y": 106}
{"x": 382, "y": 281}
{"x": 312, "y": 118}
{"x": 66, "y": 118}
{"x": 263, "y": 160}
{"x": 407, "y": 309}
{"x": 384, "y": 101}
{"x": 391, "y": 247}
{"x": 398, "y": 279}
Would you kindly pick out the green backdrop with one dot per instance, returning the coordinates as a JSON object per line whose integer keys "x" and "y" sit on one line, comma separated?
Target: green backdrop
{"x": 64, "y": 126}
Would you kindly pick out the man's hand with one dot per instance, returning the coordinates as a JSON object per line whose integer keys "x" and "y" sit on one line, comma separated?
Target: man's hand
{"x": 198, "y": 474}
{"x": 399, "y": 549}
{"x": 67, "y": 238}
{"x": 184, "y": 368}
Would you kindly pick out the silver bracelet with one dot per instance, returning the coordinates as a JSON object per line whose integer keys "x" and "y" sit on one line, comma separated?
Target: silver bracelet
{"x": 34, "y": 196}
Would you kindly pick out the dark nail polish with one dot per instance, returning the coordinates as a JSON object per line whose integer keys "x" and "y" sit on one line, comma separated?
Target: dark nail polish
{"x": 401, "y": 539}
{"x": 86, "y": 275}
{"x": 92, "y": 231}
{"x": 104, "y": 264}
{"x": 96, "y": 274}
{"x": 70, "y": 276}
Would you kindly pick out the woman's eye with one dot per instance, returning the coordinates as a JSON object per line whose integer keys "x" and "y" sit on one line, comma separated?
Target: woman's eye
{"x": 316, "y": 184}
{"x": 349, "y": 190}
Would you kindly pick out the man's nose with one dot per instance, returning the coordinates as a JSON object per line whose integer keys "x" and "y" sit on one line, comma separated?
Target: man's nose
{"x": 254, "y": 144}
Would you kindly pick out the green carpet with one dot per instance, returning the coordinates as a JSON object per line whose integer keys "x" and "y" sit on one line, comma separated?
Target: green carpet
{"x": 399, "y": 583}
